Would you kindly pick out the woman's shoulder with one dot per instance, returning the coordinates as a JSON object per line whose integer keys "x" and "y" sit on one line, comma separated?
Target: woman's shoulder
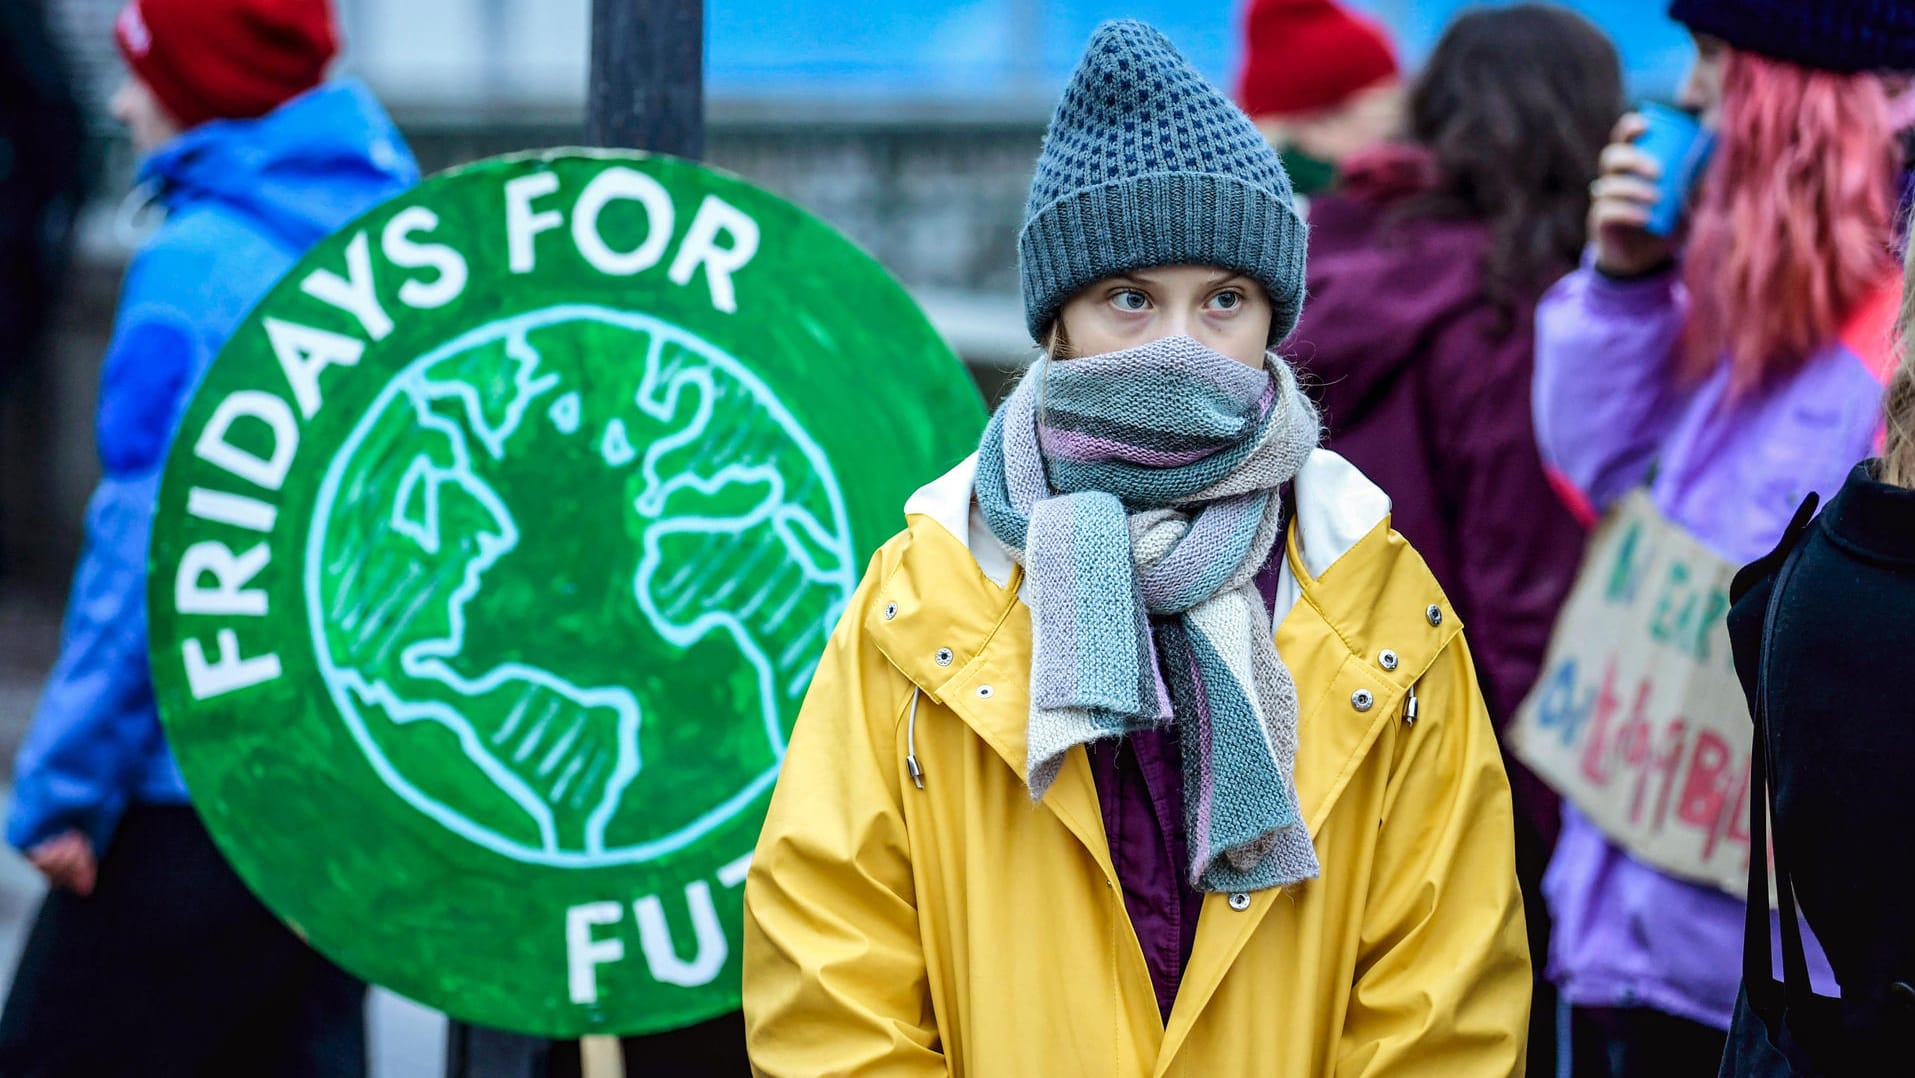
{"x": 1856, "y": 563}
{"x": 1349, "y": 566}
{"x": 1381, "y": 277}
{"x": 204, "y": 257}
{"x": 1388, "y": 189}
{"x": 1872, "y": 521}
{"x": 943, "y": 564}
{"x": 1388, "y": 230}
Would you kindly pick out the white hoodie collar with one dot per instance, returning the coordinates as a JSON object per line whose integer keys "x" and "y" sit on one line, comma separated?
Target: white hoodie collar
{"x": 1336, "y": 505}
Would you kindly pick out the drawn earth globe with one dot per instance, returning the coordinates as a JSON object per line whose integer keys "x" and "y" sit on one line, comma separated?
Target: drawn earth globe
{"x": 567, "y": 616}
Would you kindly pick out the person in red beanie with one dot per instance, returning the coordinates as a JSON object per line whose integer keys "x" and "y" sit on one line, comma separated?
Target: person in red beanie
{"x": 226, "y": 59}
{"x": 149, "y": 955}
{"x": 1321, "y": 83}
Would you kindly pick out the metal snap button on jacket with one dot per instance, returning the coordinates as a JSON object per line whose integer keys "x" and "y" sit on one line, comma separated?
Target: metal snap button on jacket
{"x": 1361, "y": 699}
{"x": 1239, "y": 901}
{"x": 1388, "y": 659}
{"x": 944, "y": 656}
{"x": 1435, "y": 614}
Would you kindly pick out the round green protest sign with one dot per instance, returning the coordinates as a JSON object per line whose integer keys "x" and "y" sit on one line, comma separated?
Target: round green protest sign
{"x": 493, "y": 560}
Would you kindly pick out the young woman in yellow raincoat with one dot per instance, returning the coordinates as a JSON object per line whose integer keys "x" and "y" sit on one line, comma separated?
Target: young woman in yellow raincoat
{"x": 1056, "y": 804}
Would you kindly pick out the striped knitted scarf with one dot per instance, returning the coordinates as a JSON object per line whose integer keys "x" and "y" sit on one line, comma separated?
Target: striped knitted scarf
{"x": 1139, "y": 491}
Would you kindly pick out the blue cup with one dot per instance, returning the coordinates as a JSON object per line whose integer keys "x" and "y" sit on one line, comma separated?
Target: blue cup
{"x": 1682, "y": 146}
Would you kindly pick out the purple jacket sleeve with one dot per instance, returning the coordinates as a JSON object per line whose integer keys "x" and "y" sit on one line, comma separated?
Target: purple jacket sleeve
{"x": 1604, "y": 395}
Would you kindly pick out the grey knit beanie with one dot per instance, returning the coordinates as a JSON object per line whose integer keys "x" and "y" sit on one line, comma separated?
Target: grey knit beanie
{"x": 1146, "y": 164}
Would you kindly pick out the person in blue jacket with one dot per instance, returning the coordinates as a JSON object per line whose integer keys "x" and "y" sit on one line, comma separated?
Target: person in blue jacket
{"x": 149, "y": 956}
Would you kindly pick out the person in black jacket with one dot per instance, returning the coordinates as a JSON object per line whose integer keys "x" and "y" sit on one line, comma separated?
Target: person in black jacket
{"x": 1830, "y": 691}
{"x": 42, "y": 136}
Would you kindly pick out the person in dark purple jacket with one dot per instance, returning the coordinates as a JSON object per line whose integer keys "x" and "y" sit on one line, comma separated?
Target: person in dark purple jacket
{"x": 1425, "y": 268}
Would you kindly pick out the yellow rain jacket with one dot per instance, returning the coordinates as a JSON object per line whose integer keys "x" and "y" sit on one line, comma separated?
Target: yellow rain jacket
{"x": 961, "y": 929}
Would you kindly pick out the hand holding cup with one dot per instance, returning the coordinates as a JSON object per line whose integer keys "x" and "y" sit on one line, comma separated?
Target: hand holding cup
{"x": 1623, "y": 200}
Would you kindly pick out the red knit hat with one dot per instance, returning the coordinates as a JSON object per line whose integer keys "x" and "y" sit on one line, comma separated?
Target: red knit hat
{"x": 1307, "y": 55}
{"x": 226, "y": 59}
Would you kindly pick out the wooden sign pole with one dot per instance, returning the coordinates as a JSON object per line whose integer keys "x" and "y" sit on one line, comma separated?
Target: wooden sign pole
{"x": 646, "y": 92}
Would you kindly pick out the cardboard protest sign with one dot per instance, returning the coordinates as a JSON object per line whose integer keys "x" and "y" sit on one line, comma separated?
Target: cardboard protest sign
{"x": 1638, "y": 719}
{"x": 493, "y": 560}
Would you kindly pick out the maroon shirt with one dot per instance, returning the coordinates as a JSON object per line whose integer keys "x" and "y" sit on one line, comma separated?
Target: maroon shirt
{"x": 1140, "y": 788}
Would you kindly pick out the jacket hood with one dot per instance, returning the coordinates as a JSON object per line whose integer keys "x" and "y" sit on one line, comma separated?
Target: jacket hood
{"x": 1336, "y": 505}
{"x": 1380, "y": 287}
{"x": 302, "y": 171}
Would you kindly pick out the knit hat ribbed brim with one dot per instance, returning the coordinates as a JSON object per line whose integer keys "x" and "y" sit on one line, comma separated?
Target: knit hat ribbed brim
{"x": 1829, "y": 35}
{"x": 1146, "y": 164}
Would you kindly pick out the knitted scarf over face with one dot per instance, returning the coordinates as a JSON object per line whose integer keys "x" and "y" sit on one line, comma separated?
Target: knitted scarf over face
{"x": 1139, "y": 491}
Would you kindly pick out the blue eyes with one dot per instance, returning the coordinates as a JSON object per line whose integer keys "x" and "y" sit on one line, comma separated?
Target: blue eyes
{"x": 1131, "y": 301}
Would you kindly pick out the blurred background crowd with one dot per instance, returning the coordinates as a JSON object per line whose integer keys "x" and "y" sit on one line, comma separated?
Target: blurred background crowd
{"x": 1449, "y": 159}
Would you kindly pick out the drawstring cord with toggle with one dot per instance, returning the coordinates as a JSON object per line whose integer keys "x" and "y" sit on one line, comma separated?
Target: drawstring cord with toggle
{"x": 911, "y": 743}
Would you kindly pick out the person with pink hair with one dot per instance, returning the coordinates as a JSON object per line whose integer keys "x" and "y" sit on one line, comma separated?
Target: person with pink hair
{"x": 1731, "y": 370}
